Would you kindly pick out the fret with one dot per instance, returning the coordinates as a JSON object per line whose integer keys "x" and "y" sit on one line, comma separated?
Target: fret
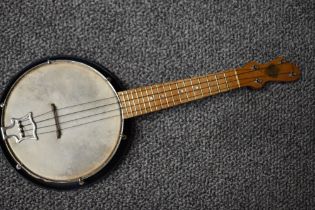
{"x": 134, "y": 102}
{"x": 183, "y": 90}
{"x": 200, "y": 87}
{"x": 210, "y": 92}
{"x": 129, "y": 103}
{"x": 153, "y": 98}
{"x": 145, "y": 107}
{"x": 192, "y": 86}
{"x": 158, "y": 92}
{"x": 203, "y": 86}
{"x": 138, "y": 101}
{"x": 124, "y": 101}
{"x": 178, "y": 92}
{"x": 226, "y": 82}
{"x": 184, "y": 85}
{"x": 171, "y": 93}
{"x": 146, "y": 90}
{"x": 236, "y": 75}
{"x": 216, "y": 79}
{"x": 165, "y": 95}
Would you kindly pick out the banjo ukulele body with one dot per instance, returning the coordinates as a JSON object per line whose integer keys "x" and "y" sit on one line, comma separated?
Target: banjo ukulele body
{"x": 62, "y": 119}
{"x": 58, "y": 89}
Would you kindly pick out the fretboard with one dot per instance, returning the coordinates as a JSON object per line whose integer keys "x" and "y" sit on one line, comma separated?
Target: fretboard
{"x": 142, "y": 100}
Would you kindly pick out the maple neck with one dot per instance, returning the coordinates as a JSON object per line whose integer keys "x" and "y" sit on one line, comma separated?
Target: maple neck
{"x": 142, "y": 100}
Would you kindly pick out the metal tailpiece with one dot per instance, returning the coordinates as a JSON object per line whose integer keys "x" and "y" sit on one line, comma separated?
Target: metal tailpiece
{"x": 20, "y": 133}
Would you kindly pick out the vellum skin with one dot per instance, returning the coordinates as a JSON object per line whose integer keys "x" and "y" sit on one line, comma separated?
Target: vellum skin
{"x": 82, "y": 150}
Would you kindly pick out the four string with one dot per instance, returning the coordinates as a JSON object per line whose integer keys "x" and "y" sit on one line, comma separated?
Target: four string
{"x": 113, "y": 97}
{"x": 64, "y": 122}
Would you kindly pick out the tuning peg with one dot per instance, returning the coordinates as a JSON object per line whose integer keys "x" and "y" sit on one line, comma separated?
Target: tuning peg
{"x": 251, "y": 65}
{"x": 278, "y": 60}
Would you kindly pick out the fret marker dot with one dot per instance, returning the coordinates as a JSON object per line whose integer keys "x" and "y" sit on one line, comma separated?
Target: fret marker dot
{"x": 181, "y": 91}
{"x": 196, "y": 87}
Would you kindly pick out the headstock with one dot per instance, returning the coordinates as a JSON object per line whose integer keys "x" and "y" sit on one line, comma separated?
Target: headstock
{"x": 255, "y": 75}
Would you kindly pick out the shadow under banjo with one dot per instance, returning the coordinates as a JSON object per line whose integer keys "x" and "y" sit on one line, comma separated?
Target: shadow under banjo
{"x": 62, "y": 119}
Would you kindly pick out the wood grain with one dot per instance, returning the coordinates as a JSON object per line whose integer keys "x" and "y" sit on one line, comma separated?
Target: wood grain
{"x": 142, "y": 100}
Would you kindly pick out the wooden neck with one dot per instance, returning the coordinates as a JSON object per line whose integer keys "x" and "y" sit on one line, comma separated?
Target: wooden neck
{"x": 142, "y": 100}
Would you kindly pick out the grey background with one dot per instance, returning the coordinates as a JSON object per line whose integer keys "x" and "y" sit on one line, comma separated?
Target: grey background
{"x": 240, "y": 150}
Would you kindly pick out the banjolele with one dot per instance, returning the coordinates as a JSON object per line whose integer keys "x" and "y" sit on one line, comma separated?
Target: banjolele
{"x": 62, "y": 118}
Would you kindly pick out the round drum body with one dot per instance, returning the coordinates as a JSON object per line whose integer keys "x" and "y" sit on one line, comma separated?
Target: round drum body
{"x": 61, "y": 122}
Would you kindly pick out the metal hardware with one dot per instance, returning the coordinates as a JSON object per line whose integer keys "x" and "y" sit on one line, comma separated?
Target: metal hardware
{"x": 81, "y": 182}
{"x": 254, "y": 67}
{"x": 21, "y": 136}
{"x": 18, "y": 166}
{"x": 123, "y": 137}
{"x": 2, "y": 105}
{"x": 48, "y": 61}
{"x": 109, "y": 79}
{"x": 292, "y": 74}
{"x": 259, "y": 81}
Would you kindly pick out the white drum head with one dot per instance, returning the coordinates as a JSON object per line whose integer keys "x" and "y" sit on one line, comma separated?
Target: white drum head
{"x": 88, "y": 113}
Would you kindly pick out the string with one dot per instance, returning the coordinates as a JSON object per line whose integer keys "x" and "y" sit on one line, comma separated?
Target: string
{"x": 74, "y": 113}
{"x": 46, "y": 126}
{"x": 108, "y": 117}
{"x": 65, "y": 128}
{"x": 125, "y": 102}
{"x": 115, "y": 115}
{"x": 66, "y": 107}
{"x": 130, "y": 104}
{"x": 171, "y": 83}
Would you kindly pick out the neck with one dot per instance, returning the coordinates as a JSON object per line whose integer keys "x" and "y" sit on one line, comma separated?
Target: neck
{"x": 142, "y": 100}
